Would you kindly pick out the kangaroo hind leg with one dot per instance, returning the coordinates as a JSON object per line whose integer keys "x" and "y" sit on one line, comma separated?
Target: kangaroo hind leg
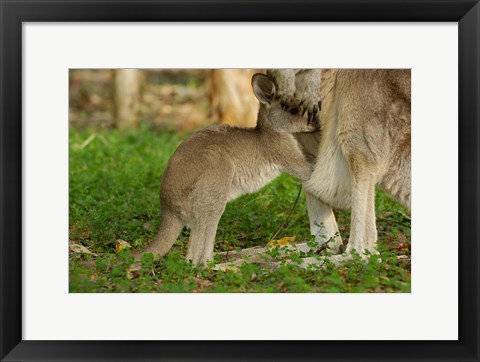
{"x": 202, "y": 240}
{"x": 208, "y": 201}
{"x": 363, "y": 233}
{"x": 323, "y": 224}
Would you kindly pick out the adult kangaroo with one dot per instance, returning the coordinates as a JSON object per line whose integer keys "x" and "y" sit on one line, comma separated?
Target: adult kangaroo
{"x": 364, "y": 140}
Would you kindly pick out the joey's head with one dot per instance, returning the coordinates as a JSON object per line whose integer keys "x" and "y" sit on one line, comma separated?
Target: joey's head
{"x": 289, "y": 118}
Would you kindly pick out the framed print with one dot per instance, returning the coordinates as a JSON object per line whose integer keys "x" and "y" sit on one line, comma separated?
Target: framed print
{"x": 105, "y": 105}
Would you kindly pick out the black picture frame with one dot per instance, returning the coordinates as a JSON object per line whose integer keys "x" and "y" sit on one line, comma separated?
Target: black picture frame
{"x": 15, "y": 12}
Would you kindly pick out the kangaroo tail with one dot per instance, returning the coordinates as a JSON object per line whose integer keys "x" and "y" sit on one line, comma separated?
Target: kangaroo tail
{"x": 170, "y": 228}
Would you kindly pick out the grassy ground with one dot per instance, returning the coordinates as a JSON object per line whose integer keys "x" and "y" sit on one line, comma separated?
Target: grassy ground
{"x": 114, "y": 185}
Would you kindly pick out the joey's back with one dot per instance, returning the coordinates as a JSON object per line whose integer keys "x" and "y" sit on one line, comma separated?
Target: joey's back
{"x": 253, "y": 157}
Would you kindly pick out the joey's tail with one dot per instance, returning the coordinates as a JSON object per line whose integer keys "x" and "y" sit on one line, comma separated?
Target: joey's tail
{"x": 170, "y": 228}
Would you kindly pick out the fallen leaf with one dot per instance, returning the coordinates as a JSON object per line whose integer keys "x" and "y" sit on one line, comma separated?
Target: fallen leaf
{"x": 133, "y": 271}
{"x": 78, "y": 248}
{"x": 287, "y": 240}
{"x": 121, "y": 244}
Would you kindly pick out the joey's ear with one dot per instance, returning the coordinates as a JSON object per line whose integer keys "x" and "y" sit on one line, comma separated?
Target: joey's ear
{"x": 263, "y": 88}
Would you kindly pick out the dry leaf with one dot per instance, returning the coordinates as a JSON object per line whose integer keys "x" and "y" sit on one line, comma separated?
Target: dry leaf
{"x": 121, "y": 244}
{"x": 78, "y": 248}
{"x": 287, "y": 240}
{"x": 133, "y": 271}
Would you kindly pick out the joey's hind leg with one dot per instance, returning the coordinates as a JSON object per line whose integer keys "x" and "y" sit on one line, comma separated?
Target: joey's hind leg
{"x": 208, "y": 201}
{"x": 323, "y": 224}
{"x": 202, "y": 239}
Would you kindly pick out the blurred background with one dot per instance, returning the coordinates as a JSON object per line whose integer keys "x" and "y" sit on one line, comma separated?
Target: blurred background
{"x": 125, "y": 125}
{"x": 178, "y": 99}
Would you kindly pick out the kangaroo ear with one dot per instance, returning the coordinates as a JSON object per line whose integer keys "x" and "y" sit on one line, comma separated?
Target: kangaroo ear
{"x": 263, "y": 88}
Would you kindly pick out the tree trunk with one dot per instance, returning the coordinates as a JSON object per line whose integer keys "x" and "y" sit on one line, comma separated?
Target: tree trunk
{"x": 231, "y": 96}
{"x": 127, "y": 88}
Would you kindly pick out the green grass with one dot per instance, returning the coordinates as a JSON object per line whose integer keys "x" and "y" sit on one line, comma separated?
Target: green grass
{"x": 114, "y": 194}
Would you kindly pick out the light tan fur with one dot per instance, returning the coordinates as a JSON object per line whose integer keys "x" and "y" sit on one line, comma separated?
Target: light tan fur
{"x": 298, "y": 84}
{"x": 221, "y": 163}
{"x": 364, "y": 140}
